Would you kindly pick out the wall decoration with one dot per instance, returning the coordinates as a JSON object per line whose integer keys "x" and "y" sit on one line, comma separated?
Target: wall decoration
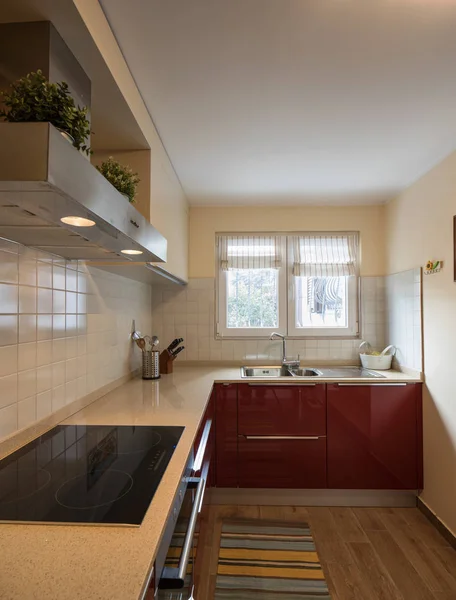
{"x": 433, "y": 266}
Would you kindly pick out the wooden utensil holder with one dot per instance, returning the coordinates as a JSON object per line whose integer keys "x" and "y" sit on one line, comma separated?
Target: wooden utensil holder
{"x": 166, "y": 363}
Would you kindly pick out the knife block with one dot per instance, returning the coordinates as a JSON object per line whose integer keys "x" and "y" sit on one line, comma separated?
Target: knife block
{"x": 166, "y": 363}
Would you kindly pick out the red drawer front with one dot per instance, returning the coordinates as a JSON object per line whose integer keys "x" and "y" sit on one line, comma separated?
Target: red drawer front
{"x": 282, "y": 409}
{"x": 226, "y": 440}
{"x": 276, "y": 463}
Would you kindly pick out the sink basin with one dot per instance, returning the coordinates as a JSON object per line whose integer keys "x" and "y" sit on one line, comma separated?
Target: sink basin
{"x": 265, "y": 372}
{"x": 303, "y": 372}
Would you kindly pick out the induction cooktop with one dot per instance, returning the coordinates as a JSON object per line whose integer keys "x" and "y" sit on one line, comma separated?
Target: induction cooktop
{"x": 86, "y": 474}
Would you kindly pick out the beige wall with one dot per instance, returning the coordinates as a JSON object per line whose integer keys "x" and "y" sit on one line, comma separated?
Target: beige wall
{"x": 206, "y": 221}
{"x": 419, "y": 226}
{"x": 168, "y": 204}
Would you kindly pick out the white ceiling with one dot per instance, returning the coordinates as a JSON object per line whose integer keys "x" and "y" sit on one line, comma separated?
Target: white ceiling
{"x": 295, "y": 101}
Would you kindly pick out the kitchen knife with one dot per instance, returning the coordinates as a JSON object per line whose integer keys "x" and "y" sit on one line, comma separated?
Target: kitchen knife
{"x": 174, "y": 344}
{"x": 176, "y": 352}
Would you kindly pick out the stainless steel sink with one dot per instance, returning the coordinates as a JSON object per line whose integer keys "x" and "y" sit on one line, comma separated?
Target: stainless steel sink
{"x": 303, "y": 372}
{"x": 327, "y": 372}
{"x": 274, "y": 372}
{"x": 265, "y": 372}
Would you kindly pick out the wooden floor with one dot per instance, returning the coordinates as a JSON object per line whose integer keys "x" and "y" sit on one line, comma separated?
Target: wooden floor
{"x": 366, "y": 553}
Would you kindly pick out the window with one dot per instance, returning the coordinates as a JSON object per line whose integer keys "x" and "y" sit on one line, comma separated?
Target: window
{"x": 302, "y": 285}
{"x": 251, "y": 285}
{"x": 323, "y": 298}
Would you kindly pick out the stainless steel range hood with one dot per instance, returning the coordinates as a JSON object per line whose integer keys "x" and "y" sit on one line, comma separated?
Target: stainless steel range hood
{"x": 43, "y": 178}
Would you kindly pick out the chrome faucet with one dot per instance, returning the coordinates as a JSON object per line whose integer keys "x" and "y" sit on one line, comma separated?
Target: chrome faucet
{"x": 289, "y": 363}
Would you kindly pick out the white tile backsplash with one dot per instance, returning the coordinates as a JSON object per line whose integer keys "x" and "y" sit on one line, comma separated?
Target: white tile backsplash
{"x": 404, "y": 317}
{"x": 49, "y": 310}
{"x": 188, "y": 312}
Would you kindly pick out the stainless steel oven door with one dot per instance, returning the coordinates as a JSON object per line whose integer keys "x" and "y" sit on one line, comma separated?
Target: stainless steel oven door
{"x": 177, "y": 577}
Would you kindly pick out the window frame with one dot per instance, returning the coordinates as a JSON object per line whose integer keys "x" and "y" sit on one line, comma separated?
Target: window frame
{"x": 287, "y": 300}
{"x": 224, "y": 332}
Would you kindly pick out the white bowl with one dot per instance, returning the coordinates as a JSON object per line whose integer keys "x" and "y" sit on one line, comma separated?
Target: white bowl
{"x": 378, "y": 363}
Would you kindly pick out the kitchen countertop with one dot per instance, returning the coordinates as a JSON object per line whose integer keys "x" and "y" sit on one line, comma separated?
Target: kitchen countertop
{"x": 108, "y": 562}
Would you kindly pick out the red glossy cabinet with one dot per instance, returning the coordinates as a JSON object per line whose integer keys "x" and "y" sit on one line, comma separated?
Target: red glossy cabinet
{"x": 374, "y": 436}
{"x": 226, "y": 434}
{"x": 282, "y": 409}
{"x": 282, "y": 436}
{"x": 282, "y": 463}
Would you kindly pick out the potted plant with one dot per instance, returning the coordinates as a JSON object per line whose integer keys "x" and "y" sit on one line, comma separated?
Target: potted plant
{"x": 121, "y": 177}
{"x": 33, "y": 98}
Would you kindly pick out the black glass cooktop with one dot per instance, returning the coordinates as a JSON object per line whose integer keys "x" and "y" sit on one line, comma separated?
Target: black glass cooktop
{"x": 86, "y": 474}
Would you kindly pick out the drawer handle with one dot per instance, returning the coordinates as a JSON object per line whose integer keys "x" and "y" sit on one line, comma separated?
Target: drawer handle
{"x": 279, "y": 383}
{"x": 280, "y": 437}
{"x": 371, "y": 384}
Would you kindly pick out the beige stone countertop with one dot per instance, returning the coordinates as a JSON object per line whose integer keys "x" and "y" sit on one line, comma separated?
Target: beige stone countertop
{"x": 61, "y": 562}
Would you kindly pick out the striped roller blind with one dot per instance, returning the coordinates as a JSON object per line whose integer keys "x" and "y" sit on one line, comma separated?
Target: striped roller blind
{"x": 326, "y": 255}
{"x": 249, "y": 251}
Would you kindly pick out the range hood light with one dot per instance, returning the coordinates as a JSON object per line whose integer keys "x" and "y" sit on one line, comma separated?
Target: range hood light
{"x": 131, "y": 251}
{"x": 78, "y": 221}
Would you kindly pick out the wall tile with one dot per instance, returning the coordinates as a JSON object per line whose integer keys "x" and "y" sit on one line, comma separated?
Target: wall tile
{"x": 8, "y": 330}
{"x": 44, "y": 274}
{"x": 43, "y": 378}
{"x": 8, "y": 420}
{"x": 27, "y": 299}
{"x": 8, "y": 298}
{"x": 58, "y": 277}
{"x": 191, "y": 311}
{"x": 26, "y": 357}
{"x": 27, "y": 328}
{"x": 26, "y": 384}
{"x": 27, "y": 266}
{"x": 404, "y": 317}
{"x": 43, "y": 361}
{"x": 44, "y": 301}
{"x": 8, "y": 390}
{"x": 26, "y": 412}
{"x": 9, "y": 272}
{"x": 44, "y": 353}
{"x": 43, "y": 404}
{"x": 8, "y": 360}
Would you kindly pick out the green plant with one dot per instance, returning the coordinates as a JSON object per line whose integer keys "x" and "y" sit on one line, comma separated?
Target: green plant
{"x": 33, "y": 98}
{"x": 121, "y": 177}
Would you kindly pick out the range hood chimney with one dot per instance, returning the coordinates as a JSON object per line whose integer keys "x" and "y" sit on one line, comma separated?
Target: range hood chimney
{"x": 43, "y": 178}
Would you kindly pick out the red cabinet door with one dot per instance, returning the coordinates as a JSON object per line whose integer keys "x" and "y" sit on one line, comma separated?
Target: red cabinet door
{"x": 226, "y": 434}
{"x": 282, "y": 409}
{"x": 374, "y": 437}
{"x": 282, "y": 463}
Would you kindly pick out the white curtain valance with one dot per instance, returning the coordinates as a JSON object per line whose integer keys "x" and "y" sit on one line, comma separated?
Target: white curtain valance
{"x": 250, "y": 252}
{"x": 327, "y": 255}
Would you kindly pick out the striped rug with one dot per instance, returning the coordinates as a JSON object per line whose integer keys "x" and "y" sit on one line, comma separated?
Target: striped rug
{"x": 266, "y": 560}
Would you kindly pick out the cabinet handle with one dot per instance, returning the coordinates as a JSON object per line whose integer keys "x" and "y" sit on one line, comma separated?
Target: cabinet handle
{"x": 280, "y": 437}
{"x": 278, "y": 383}
{"x": 371, "y": 384}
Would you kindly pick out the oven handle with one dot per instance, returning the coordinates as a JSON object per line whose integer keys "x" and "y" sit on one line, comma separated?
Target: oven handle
{"x": 202, "y": 446}
{"x": 173, "y": 578}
